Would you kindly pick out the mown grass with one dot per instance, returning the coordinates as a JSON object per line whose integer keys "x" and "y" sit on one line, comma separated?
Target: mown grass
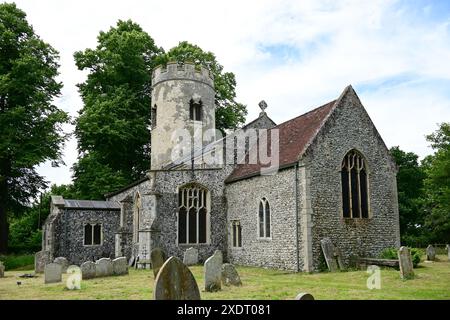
{"x": 432, "y": 281}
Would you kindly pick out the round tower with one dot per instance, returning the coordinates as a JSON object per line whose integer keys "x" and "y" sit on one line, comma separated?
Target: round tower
{"x": 183, "y": 109}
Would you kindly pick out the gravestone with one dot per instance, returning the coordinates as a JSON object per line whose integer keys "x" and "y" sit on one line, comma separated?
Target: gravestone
{"x": 175, "y": 282}
{"x": 88, "y": 270}
{"x": 41, "y": 258}
{"x": 304, "y": 296}
{"x": 73, "y": 281}
{"x": 52, "y": 273}
{"x": 120, "y": 266}
{"x": 190, "y": 256}
{"x": 405, "y": 262}
{"x": 332, "y": 255}
{"x": 448, "y": 251}
{"x": 158, "y": 257}
{"x": 63, "y": 262}
{"x": 104, "y": 267}
{"x": 131, "y": 261}
{"x": 431, "y": 253}
{"x": 2, "y": 270}
{"x": 230, "y": 276}
{"x": 213, "y": 272}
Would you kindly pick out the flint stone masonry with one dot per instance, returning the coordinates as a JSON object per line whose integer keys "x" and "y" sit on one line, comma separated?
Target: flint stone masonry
{"x": 41, "y": 258}
{"x": 158, "y": 258}
{"x": 405, "y": 261}
{"x": 104, "y": 268}
{"x": 190, "y": 257}
{"x": 213, "y": 272}
{"x": 52, "y": 273}
{"x": 63, "y": 262}
{"x": 120, "y": 266}
{"x": 175, "y": 282}
{"x": 88, "y": 270}
{"x": 230, "y": 276}
{"x": 431, "y": 253}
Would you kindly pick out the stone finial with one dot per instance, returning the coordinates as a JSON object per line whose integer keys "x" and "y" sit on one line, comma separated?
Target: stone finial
{"x": 263, "y": 105}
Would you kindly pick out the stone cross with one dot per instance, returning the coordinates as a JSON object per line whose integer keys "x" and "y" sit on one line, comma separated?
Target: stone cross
{"x": 52, "y": 273}
{"x": 175, "y": 282}
{"x": 263, "y": 105}
{"x": 213, "y": 272}
{"x": 431, "y": 253}
{"x": 405, "y": 262}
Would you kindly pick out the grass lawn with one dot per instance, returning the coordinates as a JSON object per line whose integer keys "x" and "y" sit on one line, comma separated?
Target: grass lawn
{"x": 432, "y": 281}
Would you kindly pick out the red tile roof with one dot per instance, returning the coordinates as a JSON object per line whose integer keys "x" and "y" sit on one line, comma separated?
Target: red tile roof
{"x": 294, "y": 137}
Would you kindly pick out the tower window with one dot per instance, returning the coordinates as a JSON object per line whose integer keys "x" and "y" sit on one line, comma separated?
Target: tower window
{"x": 195, "y": 110}
{"x": 154, "y": 116}
{"x": 355, "y": 195}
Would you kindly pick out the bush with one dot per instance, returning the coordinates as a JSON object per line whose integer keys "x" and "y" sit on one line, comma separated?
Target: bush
{"x": 391, "y": 253}
{"x": 12, "y": 262}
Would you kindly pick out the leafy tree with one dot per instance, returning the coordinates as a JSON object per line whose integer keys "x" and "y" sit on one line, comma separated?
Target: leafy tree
{"x": 229, "y": 113}
{"x": 410, "y": 179}
{"x": 113, "y": 127}
{"x": 30, "y": 124}
{"x": 437, "y": 185}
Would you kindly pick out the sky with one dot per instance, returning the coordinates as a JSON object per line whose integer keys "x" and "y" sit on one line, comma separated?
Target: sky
{"x": 295, "y": 55}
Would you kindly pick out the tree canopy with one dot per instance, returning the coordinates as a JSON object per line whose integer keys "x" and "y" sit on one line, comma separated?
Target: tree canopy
{"x": 30, "y": 124}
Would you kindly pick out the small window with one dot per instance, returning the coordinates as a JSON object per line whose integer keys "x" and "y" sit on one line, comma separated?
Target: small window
{"x": 264, "y": 218}
{"x": 195, "y": 110}
{"x": 93, "y": 235}
{"x": 236, "y": 230}
{"x": 154, "y": 116}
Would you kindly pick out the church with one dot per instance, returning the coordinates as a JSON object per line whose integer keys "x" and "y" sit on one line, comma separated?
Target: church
{"x": 265, "y": 195}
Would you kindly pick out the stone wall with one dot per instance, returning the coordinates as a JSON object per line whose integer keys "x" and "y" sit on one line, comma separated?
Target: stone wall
{"x": 243, "y": 203}
{"x": 348, "y": 127}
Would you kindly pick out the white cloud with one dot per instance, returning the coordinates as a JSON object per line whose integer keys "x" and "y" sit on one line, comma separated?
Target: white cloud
{"x": 329, "y": 45}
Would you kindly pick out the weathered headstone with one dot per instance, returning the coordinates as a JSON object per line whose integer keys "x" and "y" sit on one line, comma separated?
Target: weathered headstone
{"x": 41, "y": 258}
{"x": 63, "y": 262}
{"x": 448, "y": 251}
{"x": 73, "y": 281}
{"x": 104, "y": 267}
{"x": 131, "y": 261}
{"x": 52, "y": 273}
{"x": 213, "y": 272}
{"x": 88, "y": 270}
{"x": 431, "y": 253}
{"x": 332, "y": 255}
{"x": 2, "y": 270}
{"x": 405, "y": 262}
{"x": 230, "y": 276}
{"x": 175, "y": 282}
{"x": 158, "y": 257}
{"x": 120, "y": 266}
{"x": 190, "y": 256}
{"x": 304, "y": 296}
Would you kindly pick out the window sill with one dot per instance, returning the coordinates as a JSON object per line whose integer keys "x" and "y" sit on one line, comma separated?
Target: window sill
{"x": 92, "y": 245}
{"x": 265, "y": 239}
{"x": 193, "y": 244}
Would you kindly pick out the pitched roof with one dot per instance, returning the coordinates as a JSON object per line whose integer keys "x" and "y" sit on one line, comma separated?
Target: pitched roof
{"x": 294, "y": 138}
{"x": 91, "y": 204}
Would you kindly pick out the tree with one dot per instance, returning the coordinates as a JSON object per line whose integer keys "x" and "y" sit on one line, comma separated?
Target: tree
{"x": 437, "y": 185}
{"x": 30, "y": 124}
{"x": 113, "y": 127}
{"x": 410, "y": 179}
{"x": 229, "y": 113}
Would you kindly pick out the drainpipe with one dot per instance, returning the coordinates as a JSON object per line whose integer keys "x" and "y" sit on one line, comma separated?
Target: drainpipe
{"x": 296, "y": 218}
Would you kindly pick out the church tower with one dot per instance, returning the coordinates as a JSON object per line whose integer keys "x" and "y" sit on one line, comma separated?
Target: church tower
{"x": 183, "y": 111}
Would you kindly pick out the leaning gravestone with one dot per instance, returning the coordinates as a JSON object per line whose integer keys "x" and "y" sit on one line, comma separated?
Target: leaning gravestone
{"x": 120, "y": 266}
{"x": 158, "y": 257}
{"x": 230, "y": 276}
{"x": 41, "y": 258}
{"x": 2, "y": 270}
{"x": 52, "y": 273}
{"x": 88, "y": 270}
{"x": 304, "y": 296}
{"x": 332, "y": 255}
{"x": 431, "y": 253}
{"x": 405, "y": 262}
{"x": 213, "y": 272}
{"x": 63, "y": 262}
{"x": 104, "y": 267}
{"x": 190, "y": 257}
{"x": 175, "y": 282}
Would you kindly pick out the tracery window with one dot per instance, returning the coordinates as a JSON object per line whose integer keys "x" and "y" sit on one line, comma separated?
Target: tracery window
{"x": 264, "y": 218}
{"x": 355, "y": 201}
{"x": 192, "y": 214}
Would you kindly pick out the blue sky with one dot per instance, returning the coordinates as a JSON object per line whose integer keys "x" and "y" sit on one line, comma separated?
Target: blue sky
{"x": 295, "y": 55}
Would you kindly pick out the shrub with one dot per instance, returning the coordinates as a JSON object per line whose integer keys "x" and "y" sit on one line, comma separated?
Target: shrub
{"x": 391, "y": 253}
{"x": 12, "y": 262}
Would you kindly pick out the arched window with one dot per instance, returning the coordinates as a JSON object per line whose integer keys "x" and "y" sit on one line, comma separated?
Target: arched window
{"x": 136, "y": 217}
{"x": 192, "y": 214}
{"x": 355, "y": 202}
{"x": 264, "y": 218}
{"x": 195, "y": 110}
{"x": 154, "y": 110}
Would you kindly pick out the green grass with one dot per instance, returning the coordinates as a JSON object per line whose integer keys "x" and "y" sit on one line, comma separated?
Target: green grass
{"x": 432, "y": 281}
{"x": 21, "y": 262}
